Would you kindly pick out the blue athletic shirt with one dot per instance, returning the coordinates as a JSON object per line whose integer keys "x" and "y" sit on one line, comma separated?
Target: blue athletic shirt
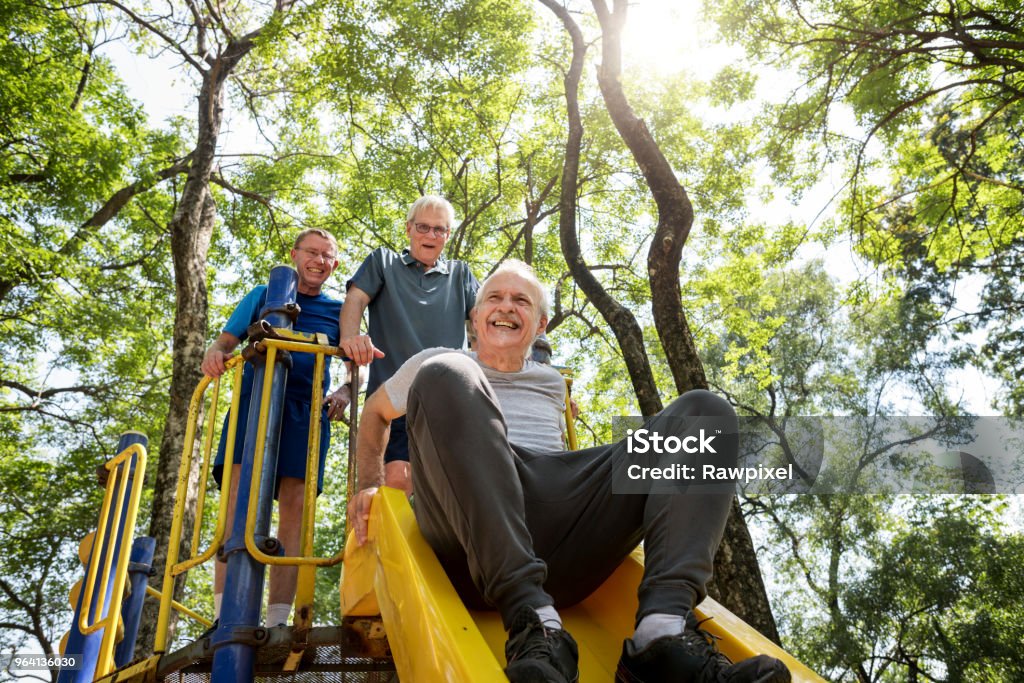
{"x": 317, "y": 314}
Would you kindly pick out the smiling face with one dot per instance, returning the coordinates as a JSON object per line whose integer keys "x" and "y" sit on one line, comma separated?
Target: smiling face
{"x": 427, "y": 247}
{"x": 315, "y": 259}
{"x": 507, "y": 319}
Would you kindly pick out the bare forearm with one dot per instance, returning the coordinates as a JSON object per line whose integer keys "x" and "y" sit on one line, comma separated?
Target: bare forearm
{"x": 218, "y": 353}
{"x": 352, "y": 313}
{"x": 373, "y": 427}
{"x": 225, "y": 342}
{"x": 358, "y": 347}
{"x": 370, "y": 451}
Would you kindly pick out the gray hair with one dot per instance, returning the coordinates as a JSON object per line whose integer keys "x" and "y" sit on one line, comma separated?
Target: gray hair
{"x": 431, "y": 201}
{"x": 523, "y": 270}
{"x": 320, "y": 233}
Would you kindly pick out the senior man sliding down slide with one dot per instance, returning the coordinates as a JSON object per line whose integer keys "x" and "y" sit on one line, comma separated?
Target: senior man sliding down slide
{"x": 524, "y": 527}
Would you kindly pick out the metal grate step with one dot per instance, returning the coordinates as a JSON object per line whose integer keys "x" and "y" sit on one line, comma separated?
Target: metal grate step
{"x": 355, "y": 652}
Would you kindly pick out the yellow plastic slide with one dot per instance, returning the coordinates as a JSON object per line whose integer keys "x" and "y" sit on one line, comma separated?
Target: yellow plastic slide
{"x": 433, "y": 636}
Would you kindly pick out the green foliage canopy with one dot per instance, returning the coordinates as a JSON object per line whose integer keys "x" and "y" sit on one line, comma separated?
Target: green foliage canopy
{"x": 935, "y": 193}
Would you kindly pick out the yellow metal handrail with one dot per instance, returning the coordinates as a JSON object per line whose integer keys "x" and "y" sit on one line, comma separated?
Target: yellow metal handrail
{"x": 119, "y": 468}
{"x": 312, "y": 458}
{"x": 220, "y": 528}
{"x": 154, "y": 593}
{"x": 174, "y": 567}
{"x": 570, "y": 427}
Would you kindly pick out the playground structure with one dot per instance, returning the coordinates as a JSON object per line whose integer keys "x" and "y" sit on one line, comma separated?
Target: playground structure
{"x": 401, "y": 617}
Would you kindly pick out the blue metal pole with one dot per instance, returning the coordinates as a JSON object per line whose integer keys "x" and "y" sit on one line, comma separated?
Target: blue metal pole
{"x": 139, "y": 564}
{"x": 86, "y": 648}
{"x": 243, "y": 586}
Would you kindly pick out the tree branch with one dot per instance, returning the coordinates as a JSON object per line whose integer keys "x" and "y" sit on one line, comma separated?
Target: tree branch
{"x": 118, "y": 201}
{"x": 43, "y": 394}
{"x": 149, "y": 26}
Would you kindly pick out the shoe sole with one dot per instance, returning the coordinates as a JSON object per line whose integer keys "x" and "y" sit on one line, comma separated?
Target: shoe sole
{"x": 623, "y": 675}
{"x": 535, "y": 671}
{"x": 766, "y": 670}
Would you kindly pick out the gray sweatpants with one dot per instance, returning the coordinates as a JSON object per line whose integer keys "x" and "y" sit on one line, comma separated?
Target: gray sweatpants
{"x": 512, "y": 527}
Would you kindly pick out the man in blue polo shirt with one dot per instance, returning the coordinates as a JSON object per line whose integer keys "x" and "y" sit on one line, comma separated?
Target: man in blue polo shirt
{"x": 315, "y": 256}
{"x": 418, "y": 300}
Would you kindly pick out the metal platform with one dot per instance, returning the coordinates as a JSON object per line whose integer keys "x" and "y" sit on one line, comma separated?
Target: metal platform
{"x": 355, "y": 652}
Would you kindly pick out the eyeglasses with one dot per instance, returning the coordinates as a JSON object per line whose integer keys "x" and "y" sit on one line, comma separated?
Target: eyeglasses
{"x": 438, "y": 230}
{"x": 314, "y": 254}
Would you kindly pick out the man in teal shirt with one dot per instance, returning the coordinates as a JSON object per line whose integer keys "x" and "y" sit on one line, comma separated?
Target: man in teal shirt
{"x": 417, "y": 300}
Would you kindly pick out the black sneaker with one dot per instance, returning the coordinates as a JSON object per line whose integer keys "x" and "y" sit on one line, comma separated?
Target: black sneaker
{"x": 693, "y": 656}
{"x": 537, "y": 654}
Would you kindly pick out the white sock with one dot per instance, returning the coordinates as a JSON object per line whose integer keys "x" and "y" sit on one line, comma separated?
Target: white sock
{"x": 548, "y": 616}
{"x": 655, "y": 626}
{"x": 277, "y": 613}
{"x": 218, "y": 598}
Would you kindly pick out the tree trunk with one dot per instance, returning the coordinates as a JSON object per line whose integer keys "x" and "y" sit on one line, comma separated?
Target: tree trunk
{"x": 189, "y": 246}
{"x": 738, "y": 578}
{"x": 191, "y": 231}
{"x": 738, "y": 582}
{"x": 675, "y": 212}
{"x": 621, "y": 320}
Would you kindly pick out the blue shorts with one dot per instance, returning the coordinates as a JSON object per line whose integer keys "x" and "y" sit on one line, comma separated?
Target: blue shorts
{"x": 398, "y": 442}
{"x": 291, "y": 455}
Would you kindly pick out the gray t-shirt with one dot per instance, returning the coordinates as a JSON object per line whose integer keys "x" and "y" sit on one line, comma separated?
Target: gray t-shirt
{"x": 532, "y": 399}
{"x": 413, "y": 307}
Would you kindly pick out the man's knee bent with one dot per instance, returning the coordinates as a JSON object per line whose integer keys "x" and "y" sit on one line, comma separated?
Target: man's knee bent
{"x": 701, "y": 402}
{"x": 448, "y": 375}
{"x": 711, "y": 414}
